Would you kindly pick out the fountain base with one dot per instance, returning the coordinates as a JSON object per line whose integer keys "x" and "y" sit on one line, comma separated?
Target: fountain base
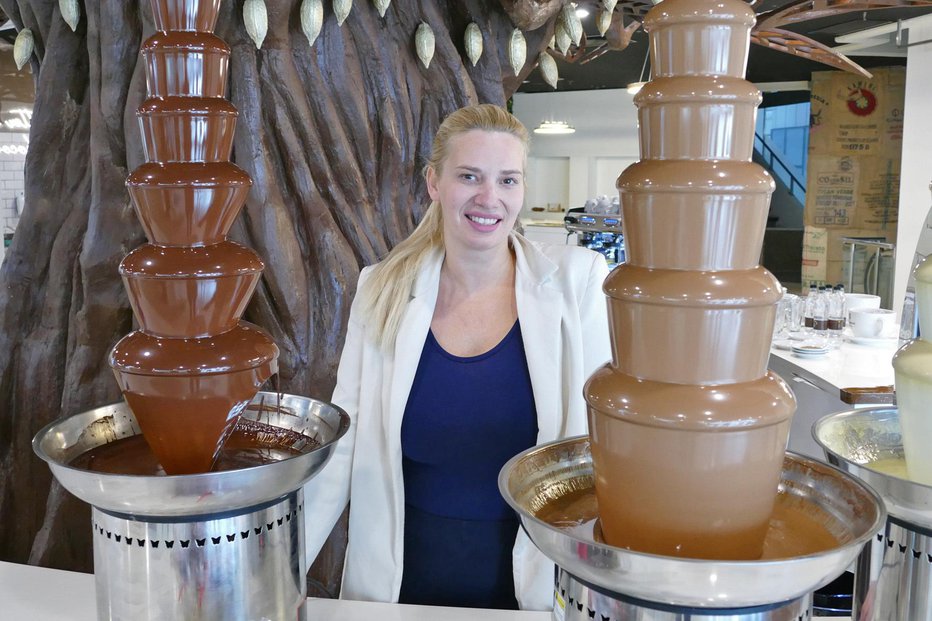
{"x": 234, "y": 566}
{"x": 218, "y": 545}
{"x": 575, "y": 600}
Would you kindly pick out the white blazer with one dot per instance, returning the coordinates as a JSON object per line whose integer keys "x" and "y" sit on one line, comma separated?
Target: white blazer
{"x": 562, "y": 313}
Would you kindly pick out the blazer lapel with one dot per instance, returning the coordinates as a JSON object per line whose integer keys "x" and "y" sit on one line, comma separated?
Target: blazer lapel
{"x": 540, "y": 314}
{"x": 412, "y": 333}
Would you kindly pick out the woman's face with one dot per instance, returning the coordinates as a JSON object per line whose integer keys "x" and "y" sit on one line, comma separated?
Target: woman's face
{"x": 480, "y": 189}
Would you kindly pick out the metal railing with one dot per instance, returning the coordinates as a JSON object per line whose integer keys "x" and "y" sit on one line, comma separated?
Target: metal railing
{"x": 775, "y": 163}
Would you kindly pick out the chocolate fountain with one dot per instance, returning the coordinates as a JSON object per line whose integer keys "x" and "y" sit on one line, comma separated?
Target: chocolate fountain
{"x": 684, "y": 501}
{"x": 196, "y": 481}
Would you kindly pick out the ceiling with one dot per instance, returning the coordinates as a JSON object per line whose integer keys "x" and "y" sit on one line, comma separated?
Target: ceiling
{"x": 617, "y": 69}
{"x": 614, "y": 69}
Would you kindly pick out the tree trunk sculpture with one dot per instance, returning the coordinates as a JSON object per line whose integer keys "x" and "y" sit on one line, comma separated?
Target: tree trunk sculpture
{"x": 334, "y": 137}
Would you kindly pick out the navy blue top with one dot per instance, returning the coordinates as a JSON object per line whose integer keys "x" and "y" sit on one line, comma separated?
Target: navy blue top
{"x": 465, "y": 417}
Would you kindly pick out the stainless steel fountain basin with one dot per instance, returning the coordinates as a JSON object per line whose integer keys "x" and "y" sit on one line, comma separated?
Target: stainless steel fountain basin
{"x": 187, "y": 495}
{"x": 538, "y": 476}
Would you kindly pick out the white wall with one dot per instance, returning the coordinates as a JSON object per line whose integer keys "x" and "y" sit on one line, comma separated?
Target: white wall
{"x": 12, "y": 181}
{"x": 605, "y": 143}
{"x": 916, "y": 171}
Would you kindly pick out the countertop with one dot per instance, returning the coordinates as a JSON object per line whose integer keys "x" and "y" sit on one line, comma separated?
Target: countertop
{"x": 40, "y": 594}
{"x": 817, "y": 384}
{"x": 849, "y": 365}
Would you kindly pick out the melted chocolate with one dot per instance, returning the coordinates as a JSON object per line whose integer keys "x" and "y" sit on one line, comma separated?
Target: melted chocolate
{"x": 793, "y": 529}
{"x": 250, "y": 444}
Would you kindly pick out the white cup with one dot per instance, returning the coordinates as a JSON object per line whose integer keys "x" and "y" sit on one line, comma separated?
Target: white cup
{"x": 861, "y": 300}
{"x": 872, "y": 322}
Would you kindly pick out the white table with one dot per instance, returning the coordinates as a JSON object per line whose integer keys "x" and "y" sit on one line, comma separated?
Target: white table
{"x": 30, "y": 593}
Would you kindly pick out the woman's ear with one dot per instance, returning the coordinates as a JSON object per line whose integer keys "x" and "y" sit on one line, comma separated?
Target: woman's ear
{"x": 432, "y": 190}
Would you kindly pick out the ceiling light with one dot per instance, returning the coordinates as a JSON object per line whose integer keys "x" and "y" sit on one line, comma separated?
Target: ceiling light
{"x": 581, "y": 13}
{"x": 554, "y": 127}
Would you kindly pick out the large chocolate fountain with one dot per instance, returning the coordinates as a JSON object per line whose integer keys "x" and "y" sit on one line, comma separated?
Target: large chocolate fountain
{"x": 683, "y": 501}
{"x": 204, "y": 518}
{"x": 691, "y": 313}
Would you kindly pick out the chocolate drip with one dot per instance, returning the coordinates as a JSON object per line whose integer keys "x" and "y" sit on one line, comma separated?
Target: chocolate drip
{"x": 688, "y": 429}
{"x": 193, "y": 366}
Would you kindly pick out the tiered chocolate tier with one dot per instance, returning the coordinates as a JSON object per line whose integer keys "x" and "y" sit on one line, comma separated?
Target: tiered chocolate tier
{"x": 688, "y": 428}
{"x": 193, "y": 365}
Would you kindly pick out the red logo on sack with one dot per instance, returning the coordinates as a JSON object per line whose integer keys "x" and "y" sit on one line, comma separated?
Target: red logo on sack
{"x": 861, "y": 101}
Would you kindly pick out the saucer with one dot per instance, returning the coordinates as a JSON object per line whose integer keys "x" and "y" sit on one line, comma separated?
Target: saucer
{"x": 809, "y": 351}
{"x": 872, "y": 341}
{"x": 785, "y": 344}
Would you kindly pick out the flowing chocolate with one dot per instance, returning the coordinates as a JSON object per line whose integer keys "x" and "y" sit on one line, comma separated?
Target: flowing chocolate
{"x": 186, "y": 204}
{"x": 688, "y": 429}
{"x": 193, "y": 366}
{"x": 186, "y": 64}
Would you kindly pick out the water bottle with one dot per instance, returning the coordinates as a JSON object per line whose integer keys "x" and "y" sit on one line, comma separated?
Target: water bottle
{"x": 807, "y": 311}
{"x": 820, "y": 313}
{"x": 835, "y": 316}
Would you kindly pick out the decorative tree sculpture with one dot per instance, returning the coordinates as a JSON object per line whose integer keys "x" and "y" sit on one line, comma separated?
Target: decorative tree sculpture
{"x": 334, "y": 136}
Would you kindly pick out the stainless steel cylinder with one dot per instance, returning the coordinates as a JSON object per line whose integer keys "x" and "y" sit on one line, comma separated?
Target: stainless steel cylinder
{"x": 894, "y": 577}
{"x": 575, "y": 601}
{"x": 246, "y": 565}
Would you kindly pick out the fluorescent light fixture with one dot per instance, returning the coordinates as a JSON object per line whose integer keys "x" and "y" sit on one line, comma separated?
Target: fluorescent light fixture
{"x": 554, "y": 127}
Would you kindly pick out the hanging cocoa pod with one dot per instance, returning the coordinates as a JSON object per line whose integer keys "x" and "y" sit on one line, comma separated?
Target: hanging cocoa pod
{"x": 256, "y": 20}
{"x": 562, "y": 38}
{"x": 424, "y": 44}
{"x": 23, "y": 47}
{"x": 603, "y": 21}
{"x": 572, "y": 23}
{"x": 381, "y": 6}
{"x": 341, "y": 10}
{"x": 70, "y": 12}
{"x": 548, "y": 69}
{"x": 517, "y": 50}
{"x": 473, "y": 43}
{"x": 312, "y": 19}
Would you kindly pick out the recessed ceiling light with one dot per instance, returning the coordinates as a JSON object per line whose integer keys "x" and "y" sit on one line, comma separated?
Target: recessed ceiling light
{"x": 554, "y": 127}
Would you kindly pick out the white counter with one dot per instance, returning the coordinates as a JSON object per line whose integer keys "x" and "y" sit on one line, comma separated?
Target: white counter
{"x": 817, "y": 384}
{"x": 39, "y": 594}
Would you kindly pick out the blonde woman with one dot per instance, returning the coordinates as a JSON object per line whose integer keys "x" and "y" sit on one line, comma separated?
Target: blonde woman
{"x": 465, "y": 346}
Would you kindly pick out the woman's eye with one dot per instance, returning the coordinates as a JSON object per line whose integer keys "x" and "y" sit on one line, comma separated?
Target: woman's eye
{"x": 467, "y": 177}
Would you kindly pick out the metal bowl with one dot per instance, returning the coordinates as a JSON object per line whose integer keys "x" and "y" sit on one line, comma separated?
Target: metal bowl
{"x": 852, "y": 512}
{"x": 852, "y": 440}
{"x": 197, "y": 494}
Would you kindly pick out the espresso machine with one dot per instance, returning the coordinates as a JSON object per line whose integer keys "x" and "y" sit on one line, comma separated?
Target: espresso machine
{"x": 600, "y": 232}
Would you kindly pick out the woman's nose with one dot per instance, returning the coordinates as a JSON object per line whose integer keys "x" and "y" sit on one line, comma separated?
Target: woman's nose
{"x": 486, "y": 193}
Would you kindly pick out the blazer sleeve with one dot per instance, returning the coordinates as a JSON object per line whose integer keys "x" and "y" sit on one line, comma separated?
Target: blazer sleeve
{"x": 593, "y": 316}
{"x": 327, "y": 494}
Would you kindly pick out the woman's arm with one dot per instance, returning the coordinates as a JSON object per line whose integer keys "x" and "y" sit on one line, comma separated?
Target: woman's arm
{"x": 327, "y": 494}
{"x": 593, "y": 316}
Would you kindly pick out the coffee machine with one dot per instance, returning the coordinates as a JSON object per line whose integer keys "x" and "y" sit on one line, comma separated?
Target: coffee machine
{"x": 599, "y": 232}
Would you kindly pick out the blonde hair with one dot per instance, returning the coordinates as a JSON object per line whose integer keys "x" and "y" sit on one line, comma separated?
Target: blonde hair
{"x": 389, "y": 287}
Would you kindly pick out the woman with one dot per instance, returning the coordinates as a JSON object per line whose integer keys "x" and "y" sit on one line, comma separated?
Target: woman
{"x": 465, "y": 346}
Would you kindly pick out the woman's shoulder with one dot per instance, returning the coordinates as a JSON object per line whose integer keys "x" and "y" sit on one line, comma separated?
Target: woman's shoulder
{"x": 564, "y": 256}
